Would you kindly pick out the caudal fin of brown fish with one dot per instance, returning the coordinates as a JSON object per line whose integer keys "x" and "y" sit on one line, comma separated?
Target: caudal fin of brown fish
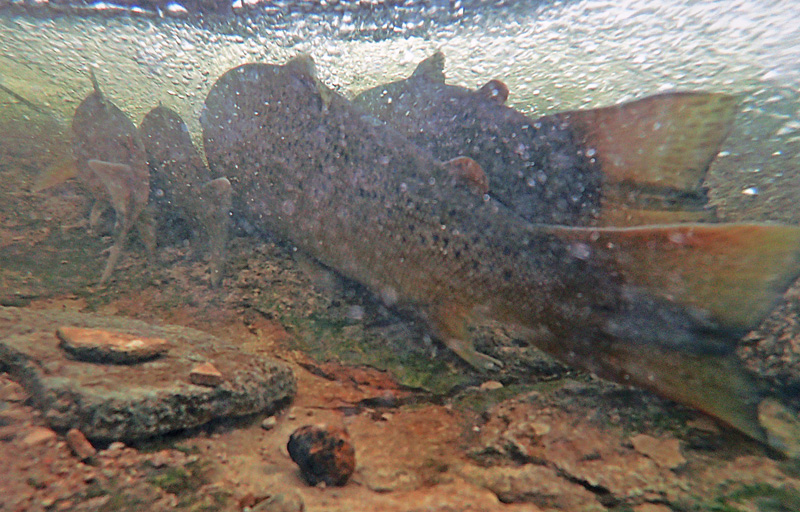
{"x": 734, "y": 272}
{"x": 710, "y": 283}
{"x": 654, "y": 154}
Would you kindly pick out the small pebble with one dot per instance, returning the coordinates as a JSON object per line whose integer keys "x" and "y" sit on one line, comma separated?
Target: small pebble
{"x": 39, "y": 435}
{"x": 12, "y": 392}
{"x": 80, "y": 446}
{"x": 324, "y": 454}
{"x": 664, "y": 452}
{"x": 288, "y": 501}
{"x": 101, "y": 346}
{"x": 206, "y": 375}
{"x": 269, "y": 423}
{"x": 491, "y": 385}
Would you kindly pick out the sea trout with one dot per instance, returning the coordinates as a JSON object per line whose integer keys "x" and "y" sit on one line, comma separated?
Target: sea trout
{"x": 660, "y": 307}
{"x": 112, "y": 165}
{"x": 637, "y": 162}
{"x": 181, "y": 188}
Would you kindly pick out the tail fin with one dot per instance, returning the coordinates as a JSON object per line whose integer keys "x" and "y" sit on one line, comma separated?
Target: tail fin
{"x": 734, "y": 272}
{"x": 714, "y": 383}
{"x": 690, "y": 292}
{"x": 654, "y": 153}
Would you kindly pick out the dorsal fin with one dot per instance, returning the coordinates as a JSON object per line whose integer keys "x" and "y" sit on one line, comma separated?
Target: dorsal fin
{"x": 95, "y": 84}
{"x": 494, "y": 90}
{"x": 654, "y": 153}
{"x": 303, "y": 66}
{"x": 431, "y": 69}
{"x": 734, "y": 272}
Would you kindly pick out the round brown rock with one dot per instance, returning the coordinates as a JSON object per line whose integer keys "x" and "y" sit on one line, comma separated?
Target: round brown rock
{"x": 323, "y": 453}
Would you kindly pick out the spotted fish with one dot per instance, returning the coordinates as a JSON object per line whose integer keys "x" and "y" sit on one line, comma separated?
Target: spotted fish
{"x": 660, "y": 306}
{"x": 112, "y": 165}
{"x": 182, "y": 189}
{"x": 639, "y": 162}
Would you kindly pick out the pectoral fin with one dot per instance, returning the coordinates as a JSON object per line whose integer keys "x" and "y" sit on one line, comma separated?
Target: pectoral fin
{"x": 654, "y": 153}
{"x": 120, "y": 182}
{"x": 468, "y": 172}
{"x": 217, "y": 195}
{"x": 734, "y": 272}
{"x": 449, "y": 322}
{"x": 118, "y": 179}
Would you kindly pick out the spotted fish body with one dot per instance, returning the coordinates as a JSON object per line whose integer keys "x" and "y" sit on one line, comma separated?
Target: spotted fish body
{"x": 536, "y": 167}
{"x": 306, "y": 165}
{"x": 112, "y": 164}
{"x": 367, "y": 202}
{"x": 181, "y": 186}
{"x": 640, "y": 161}
{"x": 176, "y": 167}
{"x": 102, "y": 132}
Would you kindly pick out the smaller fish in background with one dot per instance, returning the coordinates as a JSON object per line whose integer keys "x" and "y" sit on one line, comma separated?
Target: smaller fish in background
{"x": 38, "y": 134}
{"x": 112, "y": 165}
{"x": 181, "y": 185}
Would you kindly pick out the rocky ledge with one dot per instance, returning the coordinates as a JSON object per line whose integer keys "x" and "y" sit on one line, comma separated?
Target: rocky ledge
{"x": 116, "y": 402}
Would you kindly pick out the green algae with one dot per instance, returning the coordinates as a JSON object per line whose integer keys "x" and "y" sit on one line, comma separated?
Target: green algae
{"x": 758, "y": 496}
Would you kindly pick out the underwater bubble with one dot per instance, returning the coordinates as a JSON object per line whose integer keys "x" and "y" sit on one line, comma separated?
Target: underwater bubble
{"x": 355, "y": 313}
{"x": 288, "y": 207}
{"x": 580, "y": 251}
{"x": 389, "y": 295}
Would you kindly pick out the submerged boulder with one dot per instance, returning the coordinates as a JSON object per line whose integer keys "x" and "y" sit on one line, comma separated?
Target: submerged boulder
{"x": 134, "y": 401}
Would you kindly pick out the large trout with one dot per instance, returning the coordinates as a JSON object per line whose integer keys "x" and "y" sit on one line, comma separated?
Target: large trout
{"x": 638, "y": 162}
{"x": 660, "y": 307}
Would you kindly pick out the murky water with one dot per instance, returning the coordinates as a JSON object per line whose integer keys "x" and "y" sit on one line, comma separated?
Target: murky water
{"x": 554, "y": 56}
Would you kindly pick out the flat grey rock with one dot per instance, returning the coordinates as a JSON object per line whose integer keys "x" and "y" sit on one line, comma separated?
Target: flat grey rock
{"x": 126, "y": 402}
